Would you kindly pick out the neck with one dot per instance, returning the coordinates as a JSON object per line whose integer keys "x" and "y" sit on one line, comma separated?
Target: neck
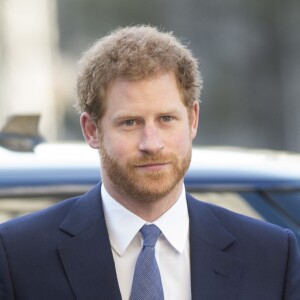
{"x": 147, "y": 210}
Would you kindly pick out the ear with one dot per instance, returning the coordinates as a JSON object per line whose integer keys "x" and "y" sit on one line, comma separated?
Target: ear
{"x": 194, "y": 118}
{"x": 90, "y": 130}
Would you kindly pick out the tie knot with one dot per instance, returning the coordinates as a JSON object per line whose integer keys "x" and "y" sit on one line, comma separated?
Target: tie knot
{"x": 150, "y": 234}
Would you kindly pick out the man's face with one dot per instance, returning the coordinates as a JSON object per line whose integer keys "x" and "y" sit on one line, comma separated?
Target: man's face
{"x": 145, "y": 138}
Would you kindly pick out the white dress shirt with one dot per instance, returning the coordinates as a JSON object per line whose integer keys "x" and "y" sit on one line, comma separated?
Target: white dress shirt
{"x": 171, "y": 250}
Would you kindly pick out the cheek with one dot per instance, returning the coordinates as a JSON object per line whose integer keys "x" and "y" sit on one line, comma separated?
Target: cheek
{"x": 181, "y": 141}
{"x": 118, "y": 147}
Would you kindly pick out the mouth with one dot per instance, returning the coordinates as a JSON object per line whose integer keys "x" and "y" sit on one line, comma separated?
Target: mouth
{"x": 157, "y": 166}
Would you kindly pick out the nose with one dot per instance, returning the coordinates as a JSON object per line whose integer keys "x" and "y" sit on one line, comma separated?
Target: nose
{"x": 150, "y": 141}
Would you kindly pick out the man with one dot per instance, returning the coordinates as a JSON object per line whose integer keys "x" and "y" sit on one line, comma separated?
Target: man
{"x": 138, "y": 92}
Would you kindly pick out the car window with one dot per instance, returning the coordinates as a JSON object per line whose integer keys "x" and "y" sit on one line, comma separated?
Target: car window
{"x": 230, "y": 200}
{"x": 14, "y": 207}
{"x": 18, "y": 201}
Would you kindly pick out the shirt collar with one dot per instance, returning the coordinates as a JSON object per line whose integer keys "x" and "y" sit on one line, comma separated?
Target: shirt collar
{"x": 123, "y": 225}
{"x": 174, "y": 223}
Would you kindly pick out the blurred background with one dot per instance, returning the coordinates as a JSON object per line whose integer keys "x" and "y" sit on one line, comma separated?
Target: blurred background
{"x": 249, "y": 53}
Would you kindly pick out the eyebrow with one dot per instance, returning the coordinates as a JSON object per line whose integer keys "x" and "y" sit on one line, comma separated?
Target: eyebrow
{"x": 130, "y": 114}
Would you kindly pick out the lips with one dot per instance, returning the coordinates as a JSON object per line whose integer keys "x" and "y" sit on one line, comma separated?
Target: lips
{"x": 152, "y": 162}
{"x": 157, "y": 166}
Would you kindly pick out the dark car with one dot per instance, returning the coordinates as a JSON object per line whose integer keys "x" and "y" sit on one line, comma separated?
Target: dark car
{"x": 261, "y": 184}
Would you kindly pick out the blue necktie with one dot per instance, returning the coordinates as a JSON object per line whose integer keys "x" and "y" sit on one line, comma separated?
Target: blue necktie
{"x": 146, "y": 283}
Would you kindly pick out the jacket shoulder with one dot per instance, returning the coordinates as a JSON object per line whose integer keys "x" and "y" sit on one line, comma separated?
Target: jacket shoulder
{"x": 238, "y": 224}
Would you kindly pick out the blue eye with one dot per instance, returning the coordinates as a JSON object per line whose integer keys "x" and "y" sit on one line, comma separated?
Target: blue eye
{"x": 129, "y": 122}
{"x": 167, "y": 118}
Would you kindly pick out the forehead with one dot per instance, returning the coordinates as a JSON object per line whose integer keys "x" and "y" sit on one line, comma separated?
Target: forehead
{"x": 158, "y": 87}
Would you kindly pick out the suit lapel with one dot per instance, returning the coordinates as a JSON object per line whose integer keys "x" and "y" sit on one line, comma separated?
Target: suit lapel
{"x": 215, "y": 274}
{"x": 86, "y": 256}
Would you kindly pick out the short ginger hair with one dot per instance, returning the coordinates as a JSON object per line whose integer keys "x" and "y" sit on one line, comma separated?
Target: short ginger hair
{"x": 132, "y": 53}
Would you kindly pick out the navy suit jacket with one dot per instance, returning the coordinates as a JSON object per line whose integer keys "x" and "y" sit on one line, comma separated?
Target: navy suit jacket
{"x": 64, "y": 253}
